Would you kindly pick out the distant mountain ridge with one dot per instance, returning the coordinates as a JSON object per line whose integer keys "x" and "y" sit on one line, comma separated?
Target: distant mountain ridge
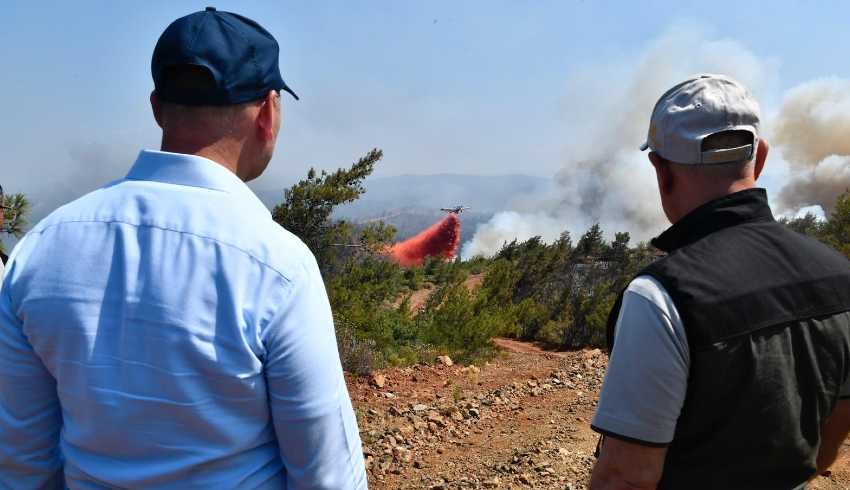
{"x": 412, "y": 202}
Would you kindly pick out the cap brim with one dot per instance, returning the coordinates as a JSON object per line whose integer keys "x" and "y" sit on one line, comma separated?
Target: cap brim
{"x": 289, "y": 90}
{"x": 644, "y": 146}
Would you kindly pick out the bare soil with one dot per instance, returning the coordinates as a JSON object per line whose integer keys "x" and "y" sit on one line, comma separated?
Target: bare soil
{"x": 520, "y": 421}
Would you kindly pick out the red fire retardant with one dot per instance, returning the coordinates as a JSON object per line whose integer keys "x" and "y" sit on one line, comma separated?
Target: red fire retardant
{"x": 441, "y": 239}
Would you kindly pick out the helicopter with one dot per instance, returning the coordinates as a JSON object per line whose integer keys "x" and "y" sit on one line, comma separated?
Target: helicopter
{"x": 455, "y": 209}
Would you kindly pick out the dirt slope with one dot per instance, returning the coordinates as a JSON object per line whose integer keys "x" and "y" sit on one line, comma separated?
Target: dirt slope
{"x": 521, "y": 421}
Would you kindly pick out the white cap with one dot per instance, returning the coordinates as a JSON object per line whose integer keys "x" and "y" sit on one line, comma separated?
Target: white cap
{"x": 697, "y": 108}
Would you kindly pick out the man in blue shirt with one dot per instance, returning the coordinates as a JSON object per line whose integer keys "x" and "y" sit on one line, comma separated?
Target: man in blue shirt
{"x": 163, "y": 331}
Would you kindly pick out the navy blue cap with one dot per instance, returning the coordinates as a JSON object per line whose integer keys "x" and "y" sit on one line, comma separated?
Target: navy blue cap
{"x": 241, "y": 56}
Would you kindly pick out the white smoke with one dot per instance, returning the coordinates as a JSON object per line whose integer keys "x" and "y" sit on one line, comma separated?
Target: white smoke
{"x": 605, "y": 178}
{"x": 811, "y": 130}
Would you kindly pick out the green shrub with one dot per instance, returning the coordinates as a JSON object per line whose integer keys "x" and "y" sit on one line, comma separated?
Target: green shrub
{"x": 357, "y": 355}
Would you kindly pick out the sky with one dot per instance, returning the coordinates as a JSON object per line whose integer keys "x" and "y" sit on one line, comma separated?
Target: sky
{"x": 475, "y": 87}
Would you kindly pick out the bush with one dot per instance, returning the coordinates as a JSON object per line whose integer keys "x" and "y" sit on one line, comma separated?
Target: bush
{"x": 451, "y": 324}
{"x": 357, "y": 355}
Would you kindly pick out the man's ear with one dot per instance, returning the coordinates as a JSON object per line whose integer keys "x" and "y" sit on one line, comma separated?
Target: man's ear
{"x": 156, "y": 106}
{"x": 267, "y": 115}
{"x": 761, "y": 157}
{"x": 662, "y": 173}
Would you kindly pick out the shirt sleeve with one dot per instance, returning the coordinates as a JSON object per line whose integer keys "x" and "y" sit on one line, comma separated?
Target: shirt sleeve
{"x": 30, "y": 415}
{"x": 312, "y": 412}
{"x": 646, "y": 381}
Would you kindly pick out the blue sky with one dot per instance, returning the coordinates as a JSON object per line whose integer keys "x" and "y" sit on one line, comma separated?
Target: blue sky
{"x": 441, "y": 86}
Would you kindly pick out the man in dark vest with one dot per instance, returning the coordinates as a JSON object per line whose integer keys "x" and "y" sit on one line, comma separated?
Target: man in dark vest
{"x": 730, "y": 356}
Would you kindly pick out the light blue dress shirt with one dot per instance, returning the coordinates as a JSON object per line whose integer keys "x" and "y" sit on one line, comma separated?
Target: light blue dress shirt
{"x": 164, "y": 332}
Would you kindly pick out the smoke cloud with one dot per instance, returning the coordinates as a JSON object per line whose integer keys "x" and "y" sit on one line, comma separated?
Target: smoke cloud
{"x": 604, "y": 177}
{"x": 811, "y": 131}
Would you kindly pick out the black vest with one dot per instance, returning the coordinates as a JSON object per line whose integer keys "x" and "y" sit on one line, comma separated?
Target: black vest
{"x": 765, "y": 311}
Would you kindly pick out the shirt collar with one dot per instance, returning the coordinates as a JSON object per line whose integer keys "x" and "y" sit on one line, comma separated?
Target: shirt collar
{"x": 734, "y": 209}
{"x": 188, "y": 170}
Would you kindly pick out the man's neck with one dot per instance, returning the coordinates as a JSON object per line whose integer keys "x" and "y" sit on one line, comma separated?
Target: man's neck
{"x": 213, "y": 152}
{"x": 701, "y": 196}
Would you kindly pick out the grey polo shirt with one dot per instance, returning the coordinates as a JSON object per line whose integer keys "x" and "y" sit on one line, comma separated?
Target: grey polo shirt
{"x": 647, "y": 377}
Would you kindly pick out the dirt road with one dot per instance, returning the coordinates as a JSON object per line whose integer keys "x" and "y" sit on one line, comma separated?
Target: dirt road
{"x": 521, "y": 421}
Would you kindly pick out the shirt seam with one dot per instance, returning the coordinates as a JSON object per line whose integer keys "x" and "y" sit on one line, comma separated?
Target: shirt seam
{"x": 42, "y": 229}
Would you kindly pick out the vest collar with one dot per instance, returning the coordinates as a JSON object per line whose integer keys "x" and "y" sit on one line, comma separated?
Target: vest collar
{"x": 741, "y": 207}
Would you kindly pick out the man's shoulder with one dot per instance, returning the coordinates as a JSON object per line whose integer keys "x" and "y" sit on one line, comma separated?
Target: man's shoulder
{"x": 653, "y": 295}
{"x": 82, "y": 208}
{"x": 647, "y": 286}
{"x": 234, "y": 222}
{"x": 816, "y": 250}
{"x": 282, "y": 250}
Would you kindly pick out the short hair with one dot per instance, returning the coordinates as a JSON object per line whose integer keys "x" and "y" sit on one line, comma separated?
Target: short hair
{"x": 720, "y": 141}
{"x": 213, "y": 119}
{"x": 724, "y": 140}
{"x": 188, "y": 78}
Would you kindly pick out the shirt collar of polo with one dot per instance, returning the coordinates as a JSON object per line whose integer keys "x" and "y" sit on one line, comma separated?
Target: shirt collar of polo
{"x": 188, "y": 170}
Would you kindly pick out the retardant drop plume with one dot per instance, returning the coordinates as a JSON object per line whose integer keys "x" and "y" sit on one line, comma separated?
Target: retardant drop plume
{"x": 441, "y": 239}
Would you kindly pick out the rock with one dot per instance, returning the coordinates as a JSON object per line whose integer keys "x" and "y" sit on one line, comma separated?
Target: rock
{"x": 379, "y": 380}
{"x": 474, "y": 413}
{"x": 472, "y": 369}
{"x": 592, "y": 353}
{"x": 419, "y": 407}
{"x": 395, "y": 412}
{"x": 493, "y": 482}
{"x": 445, "y": 360}
{"x": 435, "y": 418}
{"x": 525, "y": 478}
{"x": 402, "y": 455}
